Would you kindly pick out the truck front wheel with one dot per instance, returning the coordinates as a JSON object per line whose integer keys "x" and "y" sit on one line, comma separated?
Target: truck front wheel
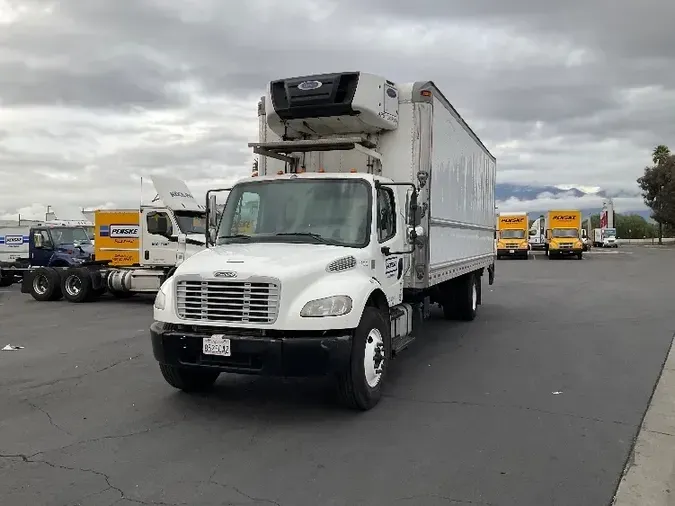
{"x": 360, "y": 385}
{"x": 188, "y": 380}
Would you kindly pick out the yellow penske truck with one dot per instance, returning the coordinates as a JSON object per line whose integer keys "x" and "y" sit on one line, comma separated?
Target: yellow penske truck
{"x": 512, "y": 235}
{"x": 563, "y": 234}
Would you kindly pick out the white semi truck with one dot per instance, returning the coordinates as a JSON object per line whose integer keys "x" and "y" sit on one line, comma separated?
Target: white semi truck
{"x": 372, "y": 201}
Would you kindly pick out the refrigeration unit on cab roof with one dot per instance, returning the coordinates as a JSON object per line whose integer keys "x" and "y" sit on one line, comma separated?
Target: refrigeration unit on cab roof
{"x": 331, "y": 104}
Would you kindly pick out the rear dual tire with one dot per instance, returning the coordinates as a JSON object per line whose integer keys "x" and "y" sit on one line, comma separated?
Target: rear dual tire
{"x": 45, "y": 284}
{"x": 461, "y": 298}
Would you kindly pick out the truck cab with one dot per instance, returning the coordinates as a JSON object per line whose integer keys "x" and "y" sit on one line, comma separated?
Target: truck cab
{"x": 605, "y": 237}
{"x": 563, "y": 234}
{"x": 53, "y": 245}
{"x": 512, "y": 235}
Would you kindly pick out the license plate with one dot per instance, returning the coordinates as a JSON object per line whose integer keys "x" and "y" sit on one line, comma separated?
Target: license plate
{"x": 216, "y": 345}
{"x": 512, "y": 251}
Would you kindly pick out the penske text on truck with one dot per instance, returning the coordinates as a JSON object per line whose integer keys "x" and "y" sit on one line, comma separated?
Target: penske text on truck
{"x": 328, "y": 258}
{"x": 512, "y": 235}
{"x": 563, "y": 234}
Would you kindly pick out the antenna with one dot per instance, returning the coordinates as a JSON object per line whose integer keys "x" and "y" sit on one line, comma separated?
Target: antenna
{"x": 141, "y": 199}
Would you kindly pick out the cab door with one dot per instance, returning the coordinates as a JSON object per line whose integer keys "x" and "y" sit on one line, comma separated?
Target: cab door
{"x": 391, "y": 264}
{"x": 40, "y": 247}
{"x": 159, "y": 238}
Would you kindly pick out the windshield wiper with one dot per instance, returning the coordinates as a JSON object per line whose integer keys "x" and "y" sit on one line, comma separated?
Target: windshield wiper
{"x": 318, "y": 237}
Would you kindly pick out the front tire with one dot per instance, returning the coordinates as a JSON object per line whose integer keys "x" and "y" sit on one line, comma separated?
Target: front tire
{"x": 188, "y": 380}
{"x": 360, "y": 385}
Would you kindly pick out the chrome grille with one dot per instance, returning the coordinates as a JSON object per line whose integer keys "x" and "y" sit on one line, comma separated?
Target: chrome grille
{"x": 566, "y": 244}
{"x": 228, "y": 301}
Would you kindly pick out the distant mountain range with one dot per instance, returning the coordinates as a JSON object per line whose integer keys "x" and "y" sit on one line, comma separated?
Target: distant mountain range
{"x": 529, "y": 193}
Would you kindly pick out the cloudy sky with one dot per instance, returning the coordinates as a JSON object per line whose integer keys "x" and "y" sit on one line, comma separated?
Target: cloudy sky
{"x": 96, "y": 93}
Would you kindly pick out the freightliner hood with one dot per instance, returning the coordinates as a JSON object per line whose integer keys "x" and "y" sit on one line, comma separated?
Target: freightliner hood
{"x": 264, "y": 259}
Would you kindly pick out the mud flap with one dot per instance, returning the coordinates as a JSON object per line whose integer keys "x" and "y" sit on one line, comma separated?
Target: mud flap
{"x": 491, "y": 274}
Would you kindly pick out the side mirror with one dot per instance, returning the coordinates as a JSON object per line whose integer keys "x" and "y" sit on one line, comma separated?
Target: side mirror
{"x": 212, "y": 235}
{"x": 212, "y": 211}
{"x": 548, "y": 233}
{"x": 412, "y": 209}
{"x": 37, "y": 240}
{"x": 182, "y": 239}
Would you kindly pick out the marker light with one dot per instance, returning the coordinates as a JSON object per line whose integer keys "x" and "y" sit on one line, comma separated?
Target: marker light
{"x": 322, "y": 170}
{"x": 352, "y": 170}
{"x": 280, "y": 172}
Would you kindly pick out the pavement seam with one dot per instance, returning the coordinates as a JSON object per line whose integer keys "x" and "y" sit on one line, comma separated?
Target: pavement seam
{"x": 513, "y": 406}
{"x": 630, "y": 459}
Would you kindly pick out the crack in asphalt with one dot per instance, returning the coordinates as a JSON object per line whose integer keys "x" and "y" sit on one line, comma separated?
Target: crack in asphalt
{"x": 241, "y": 493}
{"x": 123, "y": 496}
{"x": 445, "y": 498}
{"x": 49, "y": 417}
{"x": 514, "y": 406}
{"x": 83, "y": 375}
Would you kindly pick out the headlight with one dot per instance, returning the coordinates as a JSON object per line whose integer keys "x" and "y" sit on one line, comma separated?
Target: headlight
{"x": 337, "y": 305}
{"x": 160, "y": 299}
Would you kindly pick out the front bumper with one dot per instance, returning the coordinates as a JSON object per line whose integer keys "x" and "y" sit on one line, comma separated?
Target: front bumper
{"x": 513, "y": 252}
{"x": 565, "y": 251}
{"x": 291, "y": 354}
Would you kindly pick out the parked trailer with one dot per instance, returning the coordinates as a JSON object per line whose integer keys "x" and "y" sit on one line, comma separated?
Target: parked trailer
{"x": 135, "y": 250}
{"x": 361, "y": 222}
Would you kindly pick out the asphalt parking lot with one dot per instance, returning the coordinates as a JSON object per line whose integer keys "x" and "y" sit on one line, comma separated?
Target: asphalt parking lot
{"x": 537, "y": 402}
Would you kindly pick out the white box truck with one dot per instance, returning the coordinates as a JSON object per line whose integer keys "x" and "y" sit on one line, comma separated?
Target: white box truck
{"x": 13, "y": 252}
{"x": 372, "y": 201}
{"x": 605, "y": 238}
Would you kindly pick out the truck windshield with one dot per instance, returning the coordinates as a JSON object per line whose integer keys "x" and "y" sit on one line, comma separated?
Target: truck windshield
{"x": 513, "y": 234}
{"x": 610, "y": 232}
{"x": 565, "y": 232}
{"x": 325, "y": 211}
{"x": 191, "y": 222}
{"x": 69, "y": 235}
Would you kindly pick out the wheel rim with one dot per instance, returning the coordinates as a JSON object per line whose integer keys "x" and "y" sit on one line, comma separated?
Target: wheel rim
{"x": 73, "y": 286}
{"x": 474, "y": 296}
{"x": 373, "y": 358}
{"x": 40, "y": 284}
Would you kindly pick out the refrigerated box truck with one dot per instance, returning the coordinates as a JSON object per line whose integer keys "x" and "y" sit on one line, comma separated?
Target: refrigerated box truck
{"x": 372, "y": 201}
{"x": 512, "y": 235}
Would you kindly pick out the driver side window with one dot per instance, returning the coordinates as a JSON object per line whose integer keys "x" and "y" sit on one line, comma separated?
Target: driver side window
{"x": 42, "y": 239}
{"x": 386, "y": 214}
{"x": 159, "y": 223}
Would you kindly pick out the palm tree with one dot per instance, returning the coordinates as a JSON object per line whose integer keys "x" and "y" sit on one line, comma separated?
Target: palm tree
{"x": 660, "y": 154}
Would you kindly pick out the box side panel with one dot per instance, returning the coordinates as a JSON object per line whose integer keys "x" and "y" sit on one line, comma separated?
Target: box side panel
{"x": 462, "y": 204}
{"x": 120, "y": 251}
